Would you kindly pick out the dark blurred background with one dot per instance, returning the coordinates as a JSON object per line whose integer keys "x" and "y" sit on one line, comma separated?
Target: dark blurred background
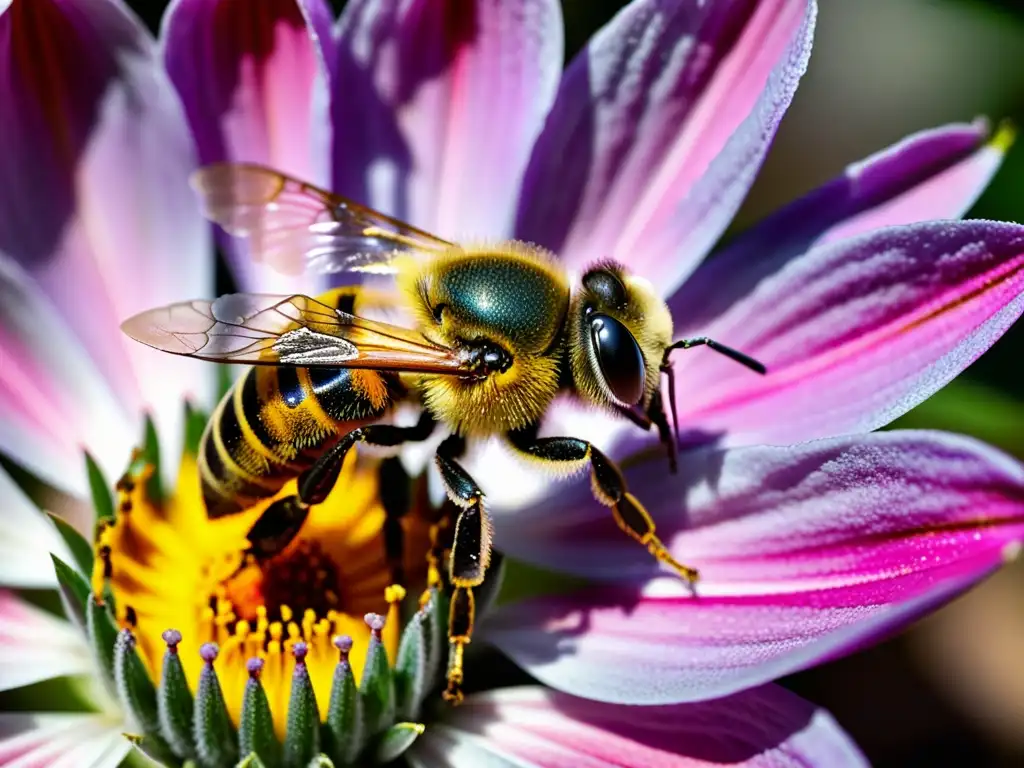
{"x": 951, "y": 690}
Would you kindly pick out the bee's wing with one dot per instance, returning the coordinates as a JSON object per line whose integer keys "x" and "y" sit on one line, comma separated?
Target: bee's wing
{"x": 259, "y": 329}
{"x": 296, "y": 227}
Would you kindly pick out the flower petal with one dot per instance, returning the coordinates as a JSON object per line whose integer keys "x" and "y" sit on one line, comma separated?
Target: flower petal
{"x": 95, "y": 203}
{"x": 804, "y": 551}
{"x": 854, "y": 333}
{"x": 53, "y": 400}
{"x": 520, "y": 727}
{"x": 253, "y": 79}
{"x": 26, "y": 540}
{"x": 934, "y": 174}
{"x": 436, "y": 107}
{"x": 46, "y": 740}
{"x": 659, "y": 128}
{"x": 35, "y": 645}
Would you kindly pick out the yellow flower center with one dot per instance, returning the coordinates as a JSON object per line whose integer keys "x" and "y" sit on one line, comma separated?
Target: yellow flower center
{"x": 170, "y": 566}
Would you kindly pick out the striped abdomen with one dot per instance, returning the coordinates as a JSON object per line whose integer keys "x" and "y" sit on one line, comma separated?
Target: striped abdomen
{"x": 275, "y": 422}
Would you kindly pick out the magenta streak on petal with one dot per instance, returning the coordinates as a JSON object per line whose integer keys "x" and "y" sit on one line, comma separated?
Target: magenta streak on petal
{"x": 763, "y": 727}
{"x": 856, "y": 333}
{"x": 61, "y": 740}
{"x": 805, "y": 552}
{"x": 934, "y": 174}
{"x": 659, "y": 128}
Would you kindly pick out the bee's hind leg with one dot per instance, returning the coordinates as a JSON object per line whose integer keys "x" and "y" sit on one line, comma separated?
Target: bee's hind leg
{"x": 609, "y": 488}
{"x": 470, "y": 556}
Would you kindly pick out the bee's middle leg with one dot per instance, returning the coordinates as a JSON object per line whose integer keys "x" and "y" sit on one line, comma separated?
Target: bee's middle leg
{"x": 609, "y": 487}
{"x": 470, "y": 556}
{"x": 281, "y": 521}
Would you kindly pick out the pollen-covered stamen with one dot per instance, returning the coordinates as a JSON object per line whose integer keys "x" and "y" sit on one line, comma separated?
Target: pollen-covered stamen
{"x": 376, "y": 624}
{"x": 344, "y": 645}
{"x": 254, "y": 666}
{"x": 305, "y": 575}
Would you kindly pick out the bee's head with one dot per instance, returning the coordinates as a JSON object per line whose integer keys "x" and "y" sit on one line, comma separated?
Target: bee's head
{"x": 619, "y": 330}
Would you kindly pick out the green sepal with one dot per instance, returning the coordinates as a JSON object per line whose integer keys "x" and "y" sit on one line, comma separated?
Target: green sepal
{"x": 252, "y": 760}
{"x": 151, "y": 454}
{"x": 154, "y": 748}
{"x": 256, "y": 726}
{"x": 195, "y": 424}
{"x": 435, "y": 620}
{"x": 134, "y": 687}
{"x": 396, "y": 740}
{"x": 102, "y": 497}
{"x": 102, "y": 633}
{"x": 211, "y": 726}
{"x": 343, "y": 731}
{"x": 411, "y": 667}
{"x": 377, "y": 689}
{"x": 81, "y": 551}
{"x": 175, "y": 707}
{"x": 74, "y": 591}
{"x": 302, "y": 735}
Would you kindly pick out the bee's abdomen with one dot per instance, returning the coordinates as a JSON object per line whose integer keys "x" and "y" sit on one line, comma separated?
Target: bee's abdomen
{"x": 274, "y": 423}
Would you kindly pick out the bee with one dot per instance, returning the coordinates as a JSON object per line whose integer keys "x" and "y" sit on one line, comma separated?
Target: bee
{"x": 493, "y": 333}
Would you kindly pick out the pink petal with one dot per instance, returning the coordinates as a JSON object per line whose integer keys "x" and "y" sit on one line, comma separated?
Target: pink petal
{"x": 522, "y": 727}
{"x": 253, "y": 79}
{"x": 436, "y": 107}
{"x": 805, "y": 552}
{"x": 45, "y": 740}
{"x": 934, "y": 174}
{"x": 95, "y": 203}
{"x": 854, "y": 333}
{"x": 659, "y": 128}
{"x": 35, "y": 645}
{"x": 53, "y": 400}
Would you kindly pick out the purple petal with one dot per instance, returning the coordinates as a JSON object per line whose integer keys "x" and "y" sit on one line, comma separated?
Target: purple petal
{"x": 854, "y": 333}
{"x": 523, "y": 727}
{"x": 805, "y": 552}
{"x": 436, "y": 107}
{"x": 95, "y": 203}
{"x": 659, "y": 128}
{"x": 934, "y": 174}
{"x": 253, "y": 78}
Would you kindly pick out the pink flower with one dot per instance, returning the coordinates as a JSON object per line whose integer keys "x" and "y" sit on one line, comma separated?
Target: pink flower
{"x": 863, "y": 298}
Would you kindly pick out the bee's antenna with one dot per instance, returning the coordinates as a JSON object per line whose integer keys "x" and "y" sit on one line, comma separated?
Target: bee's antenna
{"x": 666, "y": 367}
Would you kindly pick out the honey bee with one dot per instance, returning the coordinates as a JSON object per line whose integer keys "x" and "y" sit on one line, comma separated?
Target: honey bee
{"x": 496, "y": 332}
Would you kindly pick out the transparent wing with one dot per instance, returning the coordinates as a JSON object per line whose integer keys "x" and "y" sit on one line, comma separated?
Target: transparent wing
{"x": 296, "y": 227}
{"x": 260, "y": 329}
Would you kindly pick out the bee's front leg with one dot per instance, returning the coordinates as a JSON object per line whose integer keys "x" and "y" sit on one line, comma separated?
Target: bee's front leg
{"x": 470, "y": 556}
{"x": 609, "y": 488}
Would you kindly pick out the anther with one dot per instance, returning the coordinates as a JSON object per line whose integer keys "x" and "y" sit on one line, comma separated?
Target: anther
{"x": 172, "y": 637}
{"x": 254, "y": 667}
{"x": 375, "y": 622}
{"x": 394, "y": 594}
{"x": 299, "y": 651}
{"x": 344, "y": 644}
{"x": 108, "y": 566}
{"x": 208, "y": 652}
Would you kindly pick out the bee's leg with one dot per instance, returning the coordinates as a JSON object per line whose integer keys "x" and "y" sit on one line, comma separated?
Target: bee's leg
{"x": 609, "y": 488}
{"x": 471, "y": 554}
{"x": 281, "y": 521}
{"x": 396, "y": 498}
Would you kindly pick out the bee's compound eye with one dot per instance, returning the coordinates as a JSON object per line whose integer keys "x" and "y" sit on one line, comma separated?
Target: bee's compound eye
{"x": 618, "y": 355}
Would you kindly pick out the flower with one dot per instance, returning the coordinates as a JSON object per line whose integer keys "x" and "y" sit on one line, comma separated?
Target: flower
{"x": 859, "y": 301}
